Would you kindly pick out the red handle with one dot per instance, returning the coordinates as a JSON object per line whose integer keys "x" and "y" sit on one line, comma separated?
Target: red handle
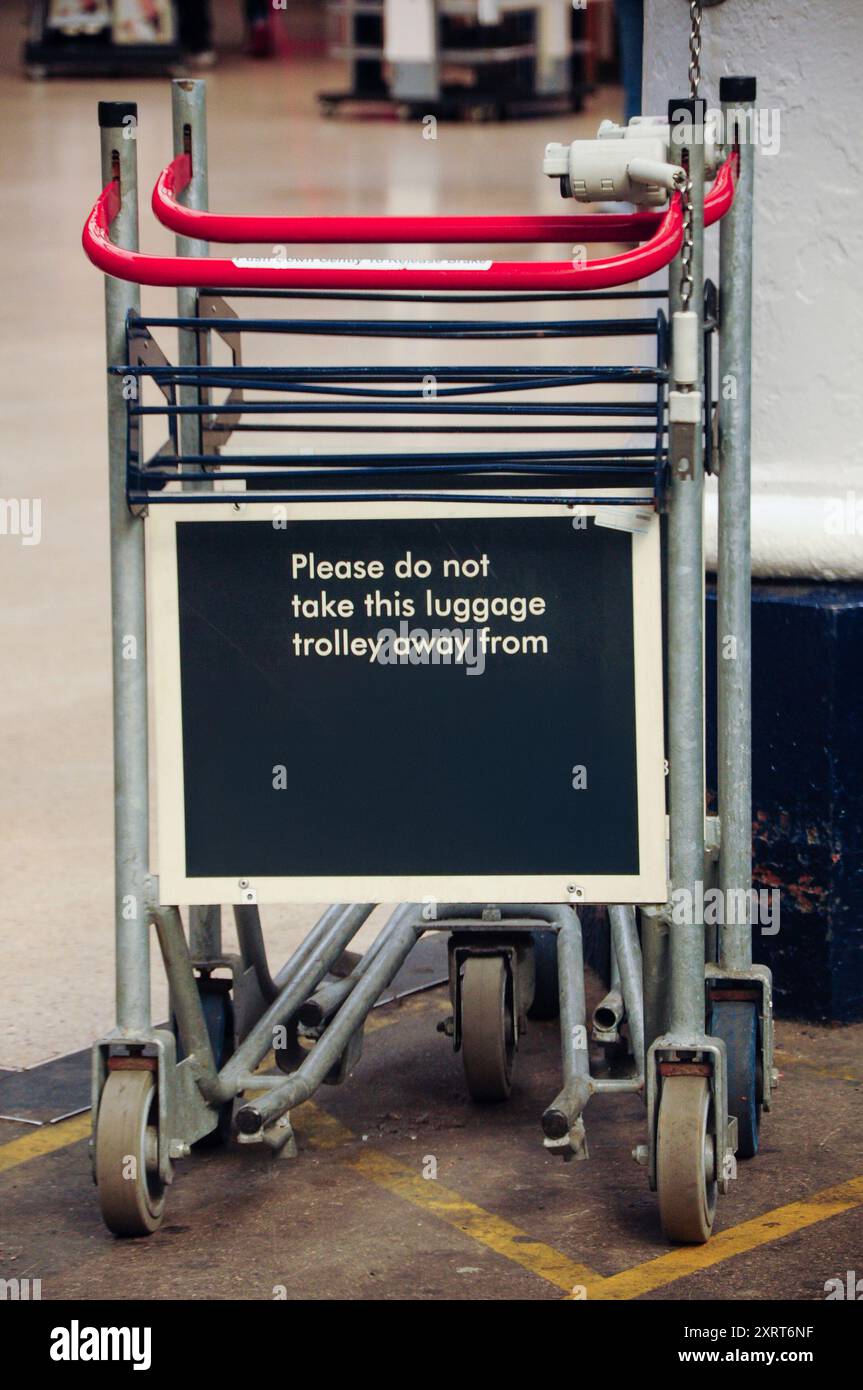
{"x": 213, "y": 226}
{"x": 249, "y": 273}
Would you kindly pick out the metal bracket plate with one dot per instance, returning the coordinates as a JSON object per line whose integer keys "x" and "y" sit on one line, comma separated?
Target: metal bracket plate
{"x": 760, "y": 978}
{"x": 217, "y": 429}
{"x": 184, "y": 1115}
{"x": 666, "y": 1050}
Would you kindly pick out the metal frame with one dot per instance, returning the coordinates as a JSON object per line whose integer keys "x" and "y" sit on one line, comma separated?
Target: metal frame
{"x": 676, "y": 953}
{"x": 661, "y": 993}
{"x": 733, "y": 594}
{"x": 684, "y": 1041}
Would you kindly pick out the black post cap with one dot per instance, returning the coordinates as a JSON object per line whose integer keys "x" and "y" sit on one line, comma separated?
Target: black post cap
{"x": 112, "y": 114}
{"x": 693, "y": 107}
{"x": 737, "y": 88}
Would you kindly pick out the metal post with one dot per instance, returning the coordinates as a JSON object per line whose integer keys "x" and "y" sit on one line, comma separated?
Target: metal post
{"x": 186, "y": 1001}
{"x": 118, "y": 128}
{"x": 654, "y": 949}
{"x": 685, "y": 641}
{"x": 733, "y": 608}
{"x": 563, "y": 1116}
{"x": 189, "y": 114}
{"x": 627, "y": 952}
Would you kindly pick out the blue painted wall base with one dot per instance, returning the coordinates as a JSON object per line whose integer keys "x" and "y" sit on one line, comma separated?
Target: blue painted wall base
{"x": 807, "y": 768}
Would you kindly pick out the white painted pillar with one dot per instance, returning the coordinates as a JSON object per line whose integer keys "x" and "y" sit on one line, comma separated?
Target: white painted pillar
{"x": 807, "y": 437}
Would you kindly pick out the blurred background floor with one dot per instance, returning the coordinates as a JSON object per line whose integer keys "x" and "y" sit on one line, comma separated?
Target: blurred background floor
{"x": 270, "y": 151}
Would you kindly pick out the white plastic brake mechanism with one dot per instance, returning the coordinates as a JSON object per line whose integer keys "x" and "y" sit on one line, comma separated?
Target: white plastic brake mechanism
{"x": 634, "y": 163}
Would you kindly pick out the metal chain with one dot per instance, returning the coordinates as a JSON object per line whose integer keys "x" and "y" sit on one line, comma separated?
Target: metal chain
{"x": 688, "y": 241}
{"x": 686, "y": 285}
{"x": 695, "y": 8}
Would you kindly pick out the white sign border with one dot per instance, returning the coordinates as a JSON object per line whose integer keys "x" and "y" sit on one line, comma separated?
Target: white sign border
{"x": 176, "y": 888}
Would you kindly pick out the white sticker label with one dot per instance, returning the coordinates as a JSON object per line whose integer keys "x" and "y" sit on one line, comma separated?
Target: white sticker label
{"x": 624, "y": 519}
{"x": 282, "y": 263}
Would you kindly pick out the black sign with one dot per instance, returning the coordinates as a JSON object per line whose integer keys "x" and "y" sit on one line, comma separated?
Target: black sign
{"x": 407, "y": 697}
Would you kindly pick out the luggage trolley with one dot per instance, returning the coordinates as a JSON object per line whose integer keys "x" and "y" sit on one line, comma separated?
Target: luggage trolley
{"x": 697, "y": 1012}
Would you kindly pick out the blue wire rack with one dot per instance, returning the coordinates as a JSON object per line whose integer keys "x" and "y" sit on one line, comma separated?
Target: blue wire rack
{"x": 507, "y": 410}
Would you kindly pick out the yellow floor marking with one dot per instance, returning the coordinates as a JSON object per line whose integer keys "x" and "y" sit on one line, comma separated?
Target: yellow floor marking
{"x": 44, "y": 1140}
{"x": 796, "y": 1059}
{"x": 324, "y": 1132}
{"x": 388, "y": 1014}
{"x": 749, "y": 1235}
{"x": 430, "y": 1195}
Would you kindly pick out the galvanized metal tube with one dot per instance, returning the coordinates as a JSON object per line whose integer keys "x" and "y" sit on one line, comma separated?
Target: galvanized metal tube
{"x": 627, "y": 951}
{"x": 298, "y": 986}
{"x": 654, "y": 967}
{"x": 257, "y": 1114}
{"x": 329, "y": 996}
{"x": 626, "y": 1085}
{"x": 565, "y": 1109}
{"x": 309, "y": 945}
{"x": 189, "y": 113}
{"x": 609, "y": 1012}
{"x": 733, "y": 603}
{"x": 205, "y": 933}
{"x": 247, "y": 919}
{"x": 185, "y": 999}
{"x": 250, "y": 935}
{"x": 189, "y": 117}
{"x": 257, "y": 1081}
{"x": 118, "y": 123}
{"x": 686, "y": 669}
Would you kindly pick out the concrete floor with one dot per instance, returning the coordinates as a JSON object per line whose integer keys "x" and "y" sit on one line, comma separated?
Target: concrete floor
{"x": 269, "y": 152}
{"x": 352, "y": 1217}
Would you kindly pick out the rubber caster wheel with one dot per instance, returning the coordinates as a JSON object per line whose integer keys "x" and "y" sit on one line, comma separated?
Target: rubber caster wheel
{"x": 219, "y": 1018}
{"x": 685, "y": 1162}
{"x": 546, "y": 991}
{"x": 735, "y": 1021}
{"x": 487, "y": 1028}
{"x": 131, "y": 1192}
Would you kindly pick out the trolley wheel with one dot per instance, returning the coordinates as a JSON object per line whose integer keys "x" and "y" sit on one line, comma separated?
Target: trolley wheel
{"x": 736, "y": 1022}
{"x": 131, "y": 1192}
{"x": 219, "y": 1018}
{"x": 546, "y": 991}
{"x": 487, "y": 1028}
{"x": 36, "y": 72}
{"x": 685, "y": 1162}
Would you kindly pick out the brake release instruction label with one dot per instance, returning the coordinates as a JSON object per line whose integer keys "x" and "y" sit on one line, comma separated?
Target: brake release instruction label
{"x": 351, "y": 263}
